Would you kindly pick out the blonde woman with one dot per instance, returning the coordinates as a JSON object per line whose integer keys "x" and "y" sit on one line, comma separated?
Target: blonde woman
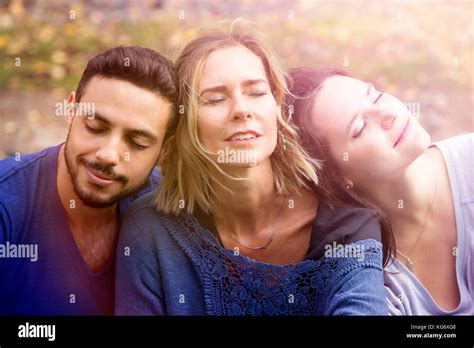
{"x": 237, "y": 226}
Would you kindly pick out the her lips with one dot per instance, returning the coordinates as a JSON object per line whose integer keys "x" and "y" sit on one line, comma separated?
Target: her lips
{"x": 243, "y": 136}
{"x": 402, "y": 134}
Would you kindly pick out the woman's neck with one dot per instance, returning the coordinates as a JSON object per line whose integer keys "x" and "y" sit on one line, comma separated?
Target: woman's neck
{"x": 407, "y": 198}
{"x": 253, "y": 203}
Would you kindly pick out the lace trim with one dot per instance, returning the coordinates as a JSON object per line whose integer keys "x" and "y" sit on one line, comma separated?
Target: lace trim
{"x": 238, "y": 285}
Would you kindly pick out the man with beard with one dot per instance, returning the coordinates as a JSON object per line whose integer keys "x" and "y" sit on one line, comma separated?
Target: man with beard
{"x": 60, "y": 209}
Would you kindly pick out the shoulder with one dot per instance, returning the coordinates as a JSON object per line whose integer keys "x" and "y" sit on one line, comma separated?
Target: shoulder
{"x": 458, "y": 155}
{"x": 149, "y": 187}
{"x": 458, "y": 151}
{"x": 22, "y": 178}
{"x": 141, "y": 217}
{"x": 20, "y": 166}
{"x": 146, "y": 228}
{"x": 460, "y": 143}
{"x": 343, "y": 226}
{"x": 147, "y": 244}
{"x": 347, "y": 224}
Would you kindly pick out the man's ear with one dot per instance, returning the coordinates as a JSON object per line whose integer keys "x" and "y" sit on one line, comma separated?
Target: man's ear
{"x": 71, "y": 107}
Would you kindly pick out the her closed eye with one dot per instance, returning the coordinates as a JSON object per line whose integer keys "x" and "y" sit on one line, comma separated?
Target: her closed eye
{"x": 213, "y": 101}
{"x": 364, "y": 122}
{"x": 360, "y": 128}
{"x": 257, "y": 94}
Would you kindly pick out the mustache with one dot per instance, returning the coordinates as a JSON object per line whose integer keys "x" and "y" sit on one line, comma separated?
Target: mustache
{"x": 106, "y": 170}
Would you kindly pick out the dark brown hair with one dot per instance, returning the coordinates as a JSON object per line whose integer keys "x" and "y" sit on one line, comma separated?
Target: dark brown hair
{"x": 140, "y": 66}
{"x": 304, "y": 84}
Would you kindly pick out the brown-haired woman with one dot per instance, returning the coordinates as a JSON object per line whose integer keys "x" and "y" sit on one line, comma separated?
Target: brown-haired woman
{"x": 376, "y": 154}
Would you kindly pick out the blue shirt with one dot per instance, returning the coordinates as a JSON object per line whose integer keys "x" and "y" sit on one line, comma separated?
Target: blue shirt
{"x": 41, "y": 269}
{"x": 173, "y": 266}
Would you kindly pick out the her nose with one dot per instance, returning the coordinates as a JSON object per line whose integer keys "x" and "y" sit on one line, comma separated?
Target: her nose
{"x": 381, "y": 114}
{"x": 241, "y": 109}
{"x": 387, "y": 121}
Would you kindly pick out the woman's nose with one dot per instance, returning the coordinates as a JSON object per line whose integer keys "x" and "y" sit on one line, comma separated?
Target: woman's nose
{"x": 241, "y": 109}
{"x": 382, "y": 115}
{"x": 387, "y": 121}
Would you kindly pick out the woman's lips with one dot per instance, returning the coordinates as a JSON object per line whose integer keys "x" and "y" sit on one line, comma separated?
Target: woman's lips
{"x": 99, "y": 178}
{"x": 403, "y": 133}
{"x": 243, "y": 137}
{"x": 243, "y": 141}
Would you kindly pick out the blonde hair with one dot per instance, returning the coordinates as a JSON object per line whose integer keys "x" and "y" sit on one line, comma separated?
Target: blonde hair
{"x": 189, "y": 174}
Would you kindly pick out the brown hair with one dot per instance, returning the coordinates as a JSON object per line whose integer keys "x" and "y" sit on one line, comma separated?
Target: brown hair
{"x": 304, "y": 84}
{"x": 140, "y": 66}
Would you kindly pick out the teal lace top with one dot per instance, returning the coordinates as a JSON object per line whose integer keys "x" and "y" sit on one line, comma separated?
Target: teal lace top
{"x": 176, "y": 267}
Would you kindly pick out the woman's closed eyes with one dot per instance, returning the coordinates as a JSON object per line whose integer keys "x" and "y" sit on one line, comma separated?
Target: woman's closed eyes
{"x": 213, "y": 100}
{"x": 363, "y": 122}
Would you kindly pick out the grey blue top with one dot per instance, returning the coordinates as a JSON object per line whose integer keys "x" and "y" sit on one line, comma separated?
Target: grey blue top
{"x": 405, "y": 293}
{"x": 173, "y": 266}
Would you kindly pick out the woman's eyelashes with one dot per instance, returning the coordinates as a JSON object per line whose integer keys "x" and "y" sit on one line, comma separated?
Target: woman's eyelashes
{"x": 257, "y": 93}
{"x": 363, "y": 122}
{"x": 360, "y": 128}
{"x": 214, "y": 100}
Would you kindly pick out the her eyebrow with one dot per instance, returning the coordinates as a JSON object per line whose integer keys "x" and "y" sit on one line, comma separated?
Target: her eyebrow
{"x": 253, "y": 82}
{"x": 219, "y": 89}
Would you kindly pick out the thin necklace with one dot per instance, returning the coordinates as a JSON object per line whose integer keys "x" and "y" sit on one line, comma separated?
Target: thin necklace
{"x": 410, "y": 264}
{"x": 265, "y": 246}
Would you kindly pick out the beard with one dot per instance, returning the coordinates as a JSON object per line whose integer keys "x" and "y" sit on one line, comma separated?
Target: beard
{"x": 91, "y": 198}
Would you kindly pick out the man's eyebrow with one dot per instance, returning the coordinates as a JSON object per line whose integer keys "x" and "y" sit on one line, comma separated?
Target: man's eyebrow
{"x": 102, "y": 118}
{"x": 131, "y": 132}
{"x": 142, "y": 133}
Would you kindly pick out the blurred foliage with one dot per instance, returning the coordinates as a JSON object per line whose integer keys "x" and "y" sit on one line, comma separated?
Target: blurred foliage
{"x": 426, "y": 42}
{"x": 418, "y": 50}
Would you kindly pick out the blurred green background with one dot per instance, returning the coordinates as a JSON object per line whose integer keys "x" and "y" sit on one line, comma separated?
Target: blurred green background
{"x": 420, "y": 51}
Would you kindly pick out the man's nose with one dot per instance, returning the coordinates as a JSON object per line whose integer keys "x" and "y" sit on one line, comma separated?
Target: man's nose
{"x": 109, "y": 153}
